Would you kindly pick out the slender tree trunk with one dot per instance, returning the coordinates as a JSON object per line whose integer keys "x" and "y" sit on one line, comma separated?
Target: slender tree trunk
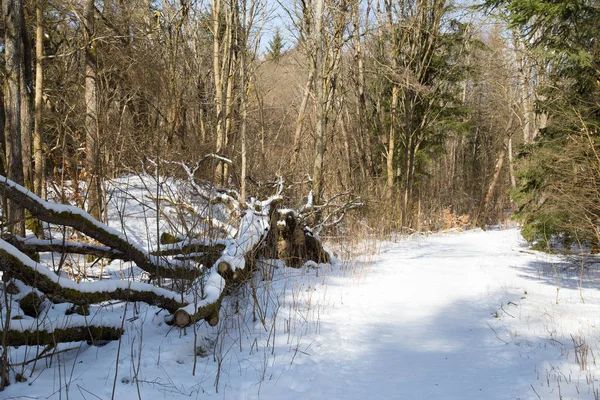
{"x": 301, "y": 116}
{"x": 320, "y": 98}
{"x": 92, "y": 136}
{"x": 361, "y": 105}
{"x": 217, "y": 74}
{"x": 529, "y": 125}
{"x": 391, "y": 150}
{"x": 494, "y": 182}
{"x": 38, "y": 180}
{"x": 243, "y": 100}
{"x": 12, "y": 10}
{"x": 392, "y": 141}
{"x": 26, "y": 105}
{"x": 513, "y": 180}
{"x": 347, "y": 153}
{"x": 229, "y": 103}
{"x": 408, "y": 179}
{"x": 482, "y": 218}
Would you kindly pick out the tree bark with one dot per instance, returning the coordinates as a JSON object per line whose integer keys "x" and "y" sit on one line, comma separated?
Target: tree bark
{"x": 26, "y": 105}
{"x": 392, "y": 142}
{"x": 320, "y": 98}
{"x": 13, "y": 10}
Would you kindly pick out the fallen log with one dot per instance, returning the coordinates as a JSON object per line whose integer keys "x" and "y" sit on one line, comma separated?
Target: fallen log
{"x": 230, "y": 267}
{"x": 191, "y": 246}
{"x": 206, "y": 293}
{"x": 64, "y": 329}
{"x": 60, "y": 289}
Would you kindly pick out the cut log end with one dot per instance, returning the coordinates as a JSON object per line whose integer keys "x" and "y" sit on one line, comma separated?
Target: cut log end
{"x": 224, "y": 268}
{"x": 182, "y": 319}
{"x": 214, "y": 320}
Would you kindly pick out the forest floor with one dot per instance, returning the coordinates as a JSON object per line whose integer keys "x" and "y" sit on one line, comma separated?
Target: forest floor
{"x": 471, "y": 315}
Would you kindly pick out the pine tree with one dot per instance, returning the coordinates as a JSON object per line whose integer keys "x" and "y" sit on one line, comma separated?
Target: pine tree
{"x": 276, "y": 45}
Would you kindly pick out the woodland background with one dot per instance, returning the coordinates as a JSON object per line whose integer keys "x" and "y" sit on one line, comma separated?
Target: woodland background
{"x": 430, "y": 112}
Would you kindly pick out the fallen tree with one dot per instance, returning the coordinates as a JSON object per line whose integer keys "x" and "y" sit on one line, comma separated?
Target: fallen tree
{"x": 201, "y": 269}
{"x": 74, "y": 217}
{"x": 66, "y": 329}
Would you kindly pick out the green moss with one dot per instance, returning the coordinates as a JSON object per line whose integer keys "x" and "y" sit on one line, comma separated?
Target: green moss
{"x": 167, "y": 238}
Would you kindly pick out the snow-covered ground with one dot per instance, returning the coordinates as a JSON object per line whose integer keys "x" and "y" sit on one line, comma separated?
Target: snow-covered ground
{"x": 471, "y": 315}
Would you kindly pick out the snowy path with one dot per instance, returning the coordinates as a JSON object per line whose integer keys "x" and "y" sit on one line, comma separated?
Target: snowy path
{"x": 416, "y": 328}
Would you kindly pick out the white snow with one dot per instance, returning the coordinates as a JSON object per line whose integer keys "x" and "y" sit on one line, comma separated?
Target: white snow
{"x": 450, "y": 316}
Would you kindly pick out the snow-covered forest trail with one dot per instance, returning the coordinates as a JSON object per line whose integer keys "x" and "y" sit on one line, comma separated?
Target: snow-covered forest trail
{"x": 459, "y": 316}
{"x": 470, "y": 315}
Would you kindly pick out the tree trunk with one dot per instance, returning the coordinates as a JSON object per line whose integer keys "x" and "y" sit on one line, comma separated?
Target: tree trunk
{"x": 347, "y": 152}
{"x": 93, "y": 157}
{"x": 47, "y": 334}
{"x": 529, "y": 125}
{"x": 392, "y": 142}
{"x": 494, "y": 182}
{"x": 13, "y": 10}
{"x": 26, "y": 105}
{"x": 38, "y": 150}
{"x": 300, "y": 119}
{"x": 366, "y": 159}
{"x": 320, "y": 98}
{"x": 513, "y": 180}
{"x": 60, "y": 289}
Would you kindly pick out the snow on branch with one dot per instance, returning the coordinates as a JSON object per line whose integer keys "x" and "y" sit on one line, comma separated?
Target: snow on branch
{"x": 79, "y": 219}
{"x": 59, "y": 288}
{"x": 34, "y": 245}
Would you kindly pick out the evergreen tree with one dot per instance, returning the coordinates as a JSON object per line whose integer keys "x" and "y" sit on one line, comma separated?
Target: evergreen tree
{"x": 559, "y": 196}
{"x": 276, "y": 45}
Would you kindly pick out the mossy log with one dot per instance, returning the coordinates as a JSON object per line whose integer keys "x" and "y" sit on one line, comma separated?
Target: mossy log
{"x": 42, "y": 337}
{"x": 86, "y": 224}
{"x": 65, "y": 290}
